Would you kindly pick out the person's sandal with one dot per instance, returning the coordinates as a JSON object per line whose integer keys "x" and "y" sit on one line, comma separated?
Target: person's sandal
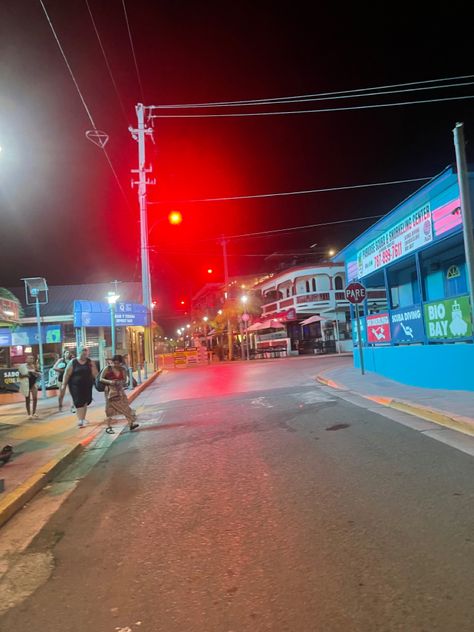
{"x": 133, "y": 426}
{"x": 109, "y": 430}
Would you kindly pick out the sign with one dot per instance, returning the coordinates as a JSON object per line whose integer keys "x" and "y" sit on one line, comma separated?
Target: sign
{"x": 407, "y": 324}
{"x": 355, "y": 293}
{"x": 355, "y": 336}
{"x": 448, "y": 319}
{"x": 9, "y": 311}
{"x": 378, "y": 328}
{"x": 405, "y": 237}
{"x": 10, "y": 380}
{"x": 27, "y": 336}
{"x": 97, "y": 314}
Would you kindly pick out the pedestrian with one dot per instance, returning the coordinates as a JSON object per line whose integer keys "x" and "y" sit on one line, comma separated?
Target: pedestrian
{"x": 79, "y": 376}
{"x": 60, "y": 368}
{"x": 28, "y": 375}
{"x": 116, "y": 403}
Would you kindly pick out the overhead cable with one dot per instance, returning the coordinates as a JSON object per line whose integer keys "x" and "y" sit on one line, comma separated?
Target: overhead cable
{"x": 83, "y": 101}
{"x": 107, "y": 63}
{"x": 316, "y": 97}
{"x": 313, "y": 111}
{"x": 289, "y": 193}
{"x": 133, "y": 50}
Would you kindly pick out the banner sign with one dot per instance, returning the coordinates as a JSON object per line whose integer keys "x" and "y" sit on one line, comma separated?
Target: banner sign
{"x": 405, "y": 237}
{"x": 9, "y": 380}
{"x": 28, "y": 336}
{"x": 355, "y": 337}
{"x": 9, "y": 311}
{"x": 448, "y": 319}
{"x": 378, "y": 328}
{"x": 407, "y": 324}
{"x": 94, "y": 314}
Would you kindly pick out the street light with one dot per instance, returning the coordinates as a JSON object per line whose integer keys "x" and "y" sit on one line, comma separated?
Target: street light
{"x": 112, "y": 299}
{"x": 36, "y": 290}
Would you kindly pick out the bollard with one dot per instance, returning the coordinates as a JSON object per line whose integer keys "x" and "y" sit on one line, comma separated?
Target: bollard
{"x": 145, "y": 370}
{"x": 139, "y": 377}
{"x": 130, "y": 377}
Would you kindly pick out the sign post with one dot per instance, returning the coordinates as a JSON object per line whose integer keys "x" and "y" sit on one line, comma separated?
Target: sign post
{"x": 356, "y": 294}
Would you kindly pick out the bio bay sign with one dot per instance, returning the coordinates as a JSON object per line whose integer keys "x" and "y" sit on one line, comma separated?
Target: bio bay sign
{"x": 448, "y": 319}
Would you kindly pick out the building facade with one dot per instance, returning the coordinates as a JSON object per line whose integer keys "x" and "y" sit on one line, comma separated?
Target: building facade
{"x": 423, "y": 335}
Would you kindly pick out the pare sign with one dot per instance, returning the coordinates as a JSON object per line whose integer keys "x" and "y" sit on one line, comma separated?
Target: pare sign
{"x": 355, "y": 293}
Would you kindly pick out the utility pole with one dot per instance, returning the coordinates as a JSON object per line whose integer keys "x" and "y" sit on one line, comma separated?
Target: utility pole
{"x": 463, "y": 181}
{"x": 139, "y": 134}
{"x": 226, "y": 289}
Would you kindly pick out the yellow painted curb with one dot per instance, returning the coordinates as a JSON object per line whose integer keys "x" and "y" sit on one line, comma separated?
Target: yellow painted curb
{"x": 328, "y": 382}
{"x": 455, "y": 422}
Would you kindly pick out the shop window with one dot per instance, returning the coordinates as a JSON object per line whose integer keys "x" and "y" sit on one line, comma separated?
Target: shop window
{"x": 403, "y": 284}
{"x": 338, "y": 283}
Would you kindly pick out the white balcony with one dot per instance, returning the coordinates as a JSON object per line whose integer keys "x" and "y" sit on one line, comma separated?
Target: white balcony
{"x": 315, "y": 301}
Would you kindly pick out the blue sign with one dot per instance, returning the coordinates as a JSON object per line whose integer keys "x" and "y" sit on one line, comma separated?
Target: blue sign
{"x": 362, "y": 331}
{"x": 27, "y": 336}
{"x": 94, "y": 314}
{"x": 407, "y": 324}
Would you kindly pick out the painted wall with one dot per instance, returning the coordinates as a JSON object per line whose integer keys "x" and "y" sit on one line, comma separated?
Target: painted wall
{"x": 447, "y": 366}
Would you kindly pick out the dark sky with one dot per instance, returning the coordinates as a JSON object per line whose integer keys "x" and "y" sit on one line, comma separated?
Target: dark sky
{"x": 62, "y": 214}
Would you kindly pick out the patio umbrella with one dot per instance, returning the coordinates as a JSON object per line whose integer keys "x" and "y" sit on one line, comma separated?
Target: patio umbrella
{"x": 312, "y": 319}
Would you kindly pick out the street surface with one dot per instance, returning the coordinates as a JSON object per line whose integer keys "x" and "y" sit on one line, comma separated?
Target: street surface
{"x": 253, "y": 499}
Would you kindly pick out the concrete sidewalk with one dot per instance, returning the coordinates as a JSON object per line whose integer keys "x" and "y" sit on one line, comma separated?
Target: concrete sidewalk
{"x": 44, "y": 446}
{"x": 453, "y": 409}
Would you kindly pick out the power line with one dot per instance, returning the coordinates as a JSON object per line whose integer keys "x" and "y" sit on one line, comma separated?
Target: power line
{"x": 83, "y": 101}
{"x": 289, "y": 193}
{"x": 311, "y": 99}
{"x": 339, "y": 109}
{"x": 316, "y": 94}
{"x": 133, "y": 50}
{"x": 107, "y": 63}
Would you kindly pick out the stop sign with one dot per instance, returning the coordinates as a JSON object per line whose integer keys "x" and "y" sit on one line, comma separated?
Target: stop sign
{"x": 355, "y": 293}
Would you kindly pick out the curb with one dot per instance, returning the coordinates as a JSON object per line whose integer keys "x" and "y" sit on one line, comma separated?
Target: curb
{"x": 17, "y": 498}
{"x": 445, "y": 419}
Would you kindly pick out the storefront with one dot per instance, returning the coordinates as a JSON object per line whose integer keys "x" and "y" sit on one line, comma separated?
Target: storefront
{"x": 422, "y": 334}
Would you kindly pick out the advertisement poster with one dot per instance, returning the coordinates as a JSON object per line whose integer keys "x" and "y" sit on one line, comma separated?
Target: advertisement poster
{"x": 27, "y": 336}
{"x": 406, "y": 236}
{"x": 378, "y": 328}
{"x": 448, "y": 319}
{"x": 407, "y": 324}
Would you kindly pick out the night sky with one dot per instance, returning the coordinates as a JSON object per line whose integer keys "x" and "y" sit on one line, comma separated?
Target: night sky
{"x": 62, "y": 213}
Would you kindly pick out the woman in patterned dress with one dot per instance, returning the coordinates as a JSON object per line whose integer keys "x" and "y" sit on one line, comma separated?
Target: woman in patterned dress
{"x": 116, "y": 402}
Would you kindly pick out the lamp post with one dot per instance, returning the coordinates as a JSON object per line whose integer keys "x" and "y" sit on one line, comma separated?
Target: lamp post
{"x": 245, "y": 318}
{"x": 36, "y": 290}
{"x": 112, "y": 299}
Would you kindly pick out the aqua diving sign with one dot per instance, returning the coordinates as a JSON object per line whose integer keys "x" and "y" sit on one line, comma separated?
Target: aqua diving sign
{"x": 95, "y": 314}
{"x": 408, "y": 235}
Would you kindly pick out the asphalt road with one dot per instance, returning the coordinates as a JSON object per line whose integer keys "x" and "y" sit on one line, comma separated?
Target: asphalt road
{"x": 254, "y": 500}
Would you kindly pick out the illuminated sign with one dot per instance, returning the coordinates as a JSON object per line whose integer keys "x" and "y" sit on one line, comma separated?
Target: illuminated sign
{"x": 405, "y": 237}
{"x": 29, "y": 335}
{"x": 95, "y": 314}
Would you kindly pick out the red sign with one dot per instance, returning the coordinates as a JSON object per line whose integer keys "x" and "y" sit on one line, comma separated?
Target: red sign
{"x": 355, "y": 293}
{"x": 378, "y": 328}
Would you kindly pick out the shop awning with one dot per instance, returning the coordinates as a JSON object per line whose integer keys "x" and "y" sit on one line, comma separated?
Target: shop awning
{"x": 271, "y": 323}
{"x": 312, "y": 319}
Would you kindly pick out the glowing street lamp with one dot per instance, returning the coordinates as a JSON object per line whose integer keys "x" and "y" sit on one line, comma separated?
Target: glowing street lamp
{"x": 112, "y": 299}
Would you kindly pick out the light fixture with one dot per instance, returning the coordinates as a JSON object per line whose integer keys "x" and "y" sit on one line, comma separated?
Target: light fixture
{"x": 112, "y": 298}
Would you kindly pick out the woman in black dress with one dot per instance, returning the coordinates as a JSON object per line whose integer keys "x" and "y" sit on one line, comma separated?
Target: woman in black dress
{"x": 79, "y": 376}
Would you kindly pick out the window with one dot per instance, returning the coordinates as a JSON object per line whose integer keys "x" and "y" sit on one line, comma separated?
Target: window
{"x": 338, "y": 283}
{"x": 307, "y": 287}
{"x": 313, "y": 284}
{"x": 287, "y": 292}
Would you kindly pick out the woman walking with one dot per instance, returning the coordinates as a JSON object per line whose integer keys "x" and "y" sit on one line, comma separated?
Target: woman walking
{"x": 80, "y": 375}
{"x": 29, "y": 374}
{"x": 116, "y": 402}
{"x": 60, "y": 368}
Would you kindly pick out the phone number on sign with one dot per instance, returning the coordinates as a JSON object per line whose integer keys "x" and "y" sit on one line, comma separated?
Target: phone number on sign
{"x": 388, "y": 254}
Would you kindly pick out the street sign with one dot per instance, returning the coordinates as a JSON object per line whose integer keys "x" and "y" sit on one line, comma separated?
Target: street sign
{"x": 355, "y": 293}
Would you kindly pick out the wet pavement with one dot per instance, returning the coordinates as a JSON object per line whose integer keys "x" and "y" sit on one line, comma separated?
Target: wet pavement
{"x": 253, "y": 499}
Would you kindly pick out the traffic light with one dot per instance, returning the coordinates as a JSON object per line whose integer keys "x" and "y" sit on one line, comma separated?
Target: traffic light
{"x": 210, "y": 270}
{"x": 175, "y": 217}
